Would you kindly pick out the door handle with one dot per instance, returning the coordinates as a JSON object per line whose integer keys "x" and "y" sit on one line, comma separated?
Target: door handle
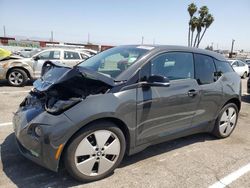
{"x": 192, "y": 93}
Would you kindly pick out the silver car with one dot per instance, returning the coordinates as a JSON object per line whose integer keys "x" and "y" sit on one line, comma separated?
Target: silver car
{"x": 18, "y": 70}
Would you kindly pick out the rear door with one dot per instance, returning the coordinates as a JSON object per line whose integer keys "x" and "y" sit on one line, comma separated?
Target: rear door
{"x": 71, "y": 58}
{"x": 210, "y": 90}
{"x": 164, "y": 111}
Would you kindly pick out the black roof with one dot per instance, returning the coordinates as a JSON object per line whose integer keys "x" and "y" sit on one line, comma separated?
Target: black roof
{"x": 182, "y": 48}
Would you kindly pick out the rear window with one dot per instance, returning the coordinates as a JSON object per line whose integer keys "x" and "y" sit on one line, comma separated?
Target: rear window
{"x": 223, "y": 66}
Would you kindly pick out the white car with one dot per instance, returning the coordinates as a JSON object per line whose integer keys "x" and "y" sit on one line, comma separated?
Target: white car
{"x": 240, "y": 67}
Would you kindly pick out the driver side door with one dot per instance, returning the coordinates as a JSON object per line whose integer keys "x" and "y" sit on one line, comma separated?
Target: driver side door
{"x": 166, "y": 111}
{"x": 41, "y": 58}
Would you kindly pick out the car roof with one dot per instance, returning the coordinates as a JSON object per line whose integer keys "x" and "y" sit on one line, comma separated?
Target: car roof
{"x": 180, "y": 48}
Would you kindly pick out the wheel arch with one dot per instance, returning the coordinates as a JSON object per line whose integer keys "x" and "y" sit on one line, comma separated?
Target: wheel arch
{"x": 235, "y": 101}
{"x": 18, "y": 67}
{"x": 118, "y": 122}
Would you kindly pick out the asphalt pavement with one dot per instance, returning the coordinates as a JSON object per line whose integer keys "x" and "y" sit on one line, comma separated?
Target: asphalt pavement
{"x": 195, "y": 161}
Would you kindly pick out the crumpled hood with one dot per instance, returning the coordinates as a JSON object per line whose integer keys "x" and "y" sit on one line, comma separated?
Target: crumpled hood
{"x": 59, "y": 73}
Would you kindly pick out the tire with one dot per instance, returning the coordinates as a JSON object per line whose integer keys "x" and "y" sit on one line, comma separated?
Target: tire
{"x": 226, "y": 123}
{"x": 17, "y": 77}
{"x": 95, "y": 163}
{"x": 244, "y": 75}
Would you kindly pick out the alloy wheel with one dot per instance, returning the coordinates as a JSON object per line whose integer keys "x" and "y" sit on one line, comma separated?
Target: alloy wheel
{"x": 16, "y": 78}
{"x": 97, "y": 153}
{"x": 227, "y": 121}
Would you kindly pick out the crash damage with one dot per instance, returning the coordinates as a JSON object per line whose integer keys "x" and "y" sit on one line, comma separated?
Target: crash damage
{"x": 62, "y": 87}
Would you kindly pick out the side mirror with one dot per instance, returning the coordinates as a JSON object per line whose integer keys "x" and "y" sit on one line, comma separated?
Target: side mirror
{"x": 157, "y": 80}
{"x": 36, "y": 58}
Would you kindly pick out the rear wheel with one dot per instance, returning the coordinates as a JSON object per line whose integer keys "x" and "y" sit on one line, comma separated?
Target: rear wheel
{"x": 17, "y": 77}
{"x": 95, "y": 152}
{"x": 226, "y": 121}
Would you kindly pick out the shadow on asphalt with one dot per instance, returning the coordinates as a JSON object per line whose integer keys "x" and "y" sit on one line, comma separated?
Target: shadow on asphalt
{"x": 5, "y": 83}
{"x": 24, "y": 173}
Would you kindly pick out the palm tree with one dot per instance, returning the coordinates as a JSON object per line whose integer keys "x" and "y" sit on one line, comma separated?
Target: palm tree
{"x": 201, "y": 23}
{"x": 198, "y": 28}
{"x": 194, "y": 23}
{"x": 208, "y": 20}
{"x": 203, "y": 11}
{"x": 192, "y": 8}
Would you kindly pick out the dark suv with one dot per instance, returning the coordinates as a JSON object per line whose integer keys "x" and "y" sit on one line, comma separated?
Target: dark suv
{"x": 122, "y": 100}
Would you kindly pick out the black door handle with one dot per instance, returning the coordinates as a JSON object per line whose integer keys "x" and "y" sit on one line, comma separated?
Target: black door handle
{"x": 192, "y": 93}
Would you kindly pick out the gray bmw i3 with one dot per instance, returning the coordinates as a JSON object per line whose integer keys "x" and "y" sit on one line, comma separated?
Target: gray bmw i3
{"x": 121, "y": 101}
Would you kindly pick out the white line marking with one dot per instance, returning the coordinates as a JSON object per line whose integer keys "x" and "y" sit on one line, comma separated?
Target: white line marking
{"x": 231, "y": 177}
{"x": 5, "y": 124}
{"x": 26, "y": 91}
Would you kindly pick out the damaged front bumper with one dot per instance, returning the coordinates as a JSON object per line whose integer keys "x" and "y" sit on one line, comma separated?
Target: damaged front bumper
{"x": 39, "y": 134}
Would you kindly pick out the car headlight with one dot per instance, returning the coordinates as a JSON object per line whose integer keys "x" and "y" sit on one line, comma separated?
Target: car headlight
{"x": 56, "y": 107}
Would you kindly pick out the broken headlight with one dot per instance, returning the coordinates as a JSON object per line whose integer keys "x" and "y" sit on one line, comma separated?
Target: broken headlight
{"x": 57, "y": 106}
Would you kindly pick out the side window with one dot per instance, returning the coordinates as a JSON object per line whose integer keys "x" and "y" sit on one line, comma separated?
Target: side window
{"x": 83, "y": 56}
{"x": 44, "y": 55}
{"x": 241, "y": 64}
{"x": 49, "y": 55}
{"x": 174, "y": 65}
{"x": 55, "y": 55}
{"x": 235, "y": 64}
{"x": 204, "y": 69}
{"x": 71, "y": 55}
{"x": 223, "y": 66}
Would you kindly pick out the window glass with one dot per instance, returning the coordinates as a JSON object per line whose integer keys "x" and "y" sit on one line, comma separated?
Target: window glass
{"x": 55, "y": 55}
{"x": 44, "y": 55}
{"x": 223, "y": 66}
{"x": 113, "y": 62}
{"x": 241, "y": 64}
{"x": 71, "y": 55}
{"x": 49, "y": 55}
{"x": 84, "y": 56}
{"x": 174, "y": 65}
{"x": 204, "y": 69}
{"x": 235, "y": 64}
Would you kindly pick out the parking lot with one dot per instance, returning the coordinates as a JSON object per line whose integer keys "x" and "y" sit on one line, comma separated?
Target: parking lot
{"x": 194, "y": 161}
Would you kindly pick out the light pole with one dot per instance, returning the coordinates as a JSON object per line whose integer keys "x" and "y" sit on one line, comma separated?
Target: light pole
{"x": 232, "y": 49}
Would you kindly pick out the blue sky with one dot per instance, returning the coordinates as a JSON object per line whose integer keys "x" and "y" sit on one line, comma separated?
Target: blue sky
{"x": 125, "y": 22}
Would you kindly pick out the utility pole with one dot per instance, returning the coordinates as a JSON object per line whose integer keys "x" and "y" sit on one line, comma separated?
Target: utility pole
{"x": 4, "y": 31}
{"x": 142, "y": 39}
{"x": 52, "y": 36}
{"x": 232, "y": 49}
{"x": 88, "y": 38}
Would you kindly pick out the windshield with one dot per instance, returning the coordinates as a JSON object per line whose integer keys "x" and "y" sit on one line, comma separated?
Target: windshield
{"x": 114, "y": 61}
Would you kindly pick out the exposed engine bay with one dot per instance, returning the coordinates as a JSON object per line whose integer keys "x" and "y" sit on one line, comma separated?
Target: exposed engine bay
{"x": 62, "y": 87}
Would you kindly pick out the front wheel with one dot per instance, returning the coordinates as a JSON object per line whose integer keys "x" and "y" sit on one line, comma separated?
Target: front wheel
{"x": 17, "y": 77}
{"x": 95, "y": 152}
{"x": 226, "y": 121}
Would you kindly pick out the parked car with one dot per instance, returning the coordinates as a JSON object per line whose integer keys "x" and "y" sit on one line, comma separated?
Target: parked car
{"x": 94, "y": 113}
{"x": 240, "y": 68}
{"x": 18, "y": 70}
